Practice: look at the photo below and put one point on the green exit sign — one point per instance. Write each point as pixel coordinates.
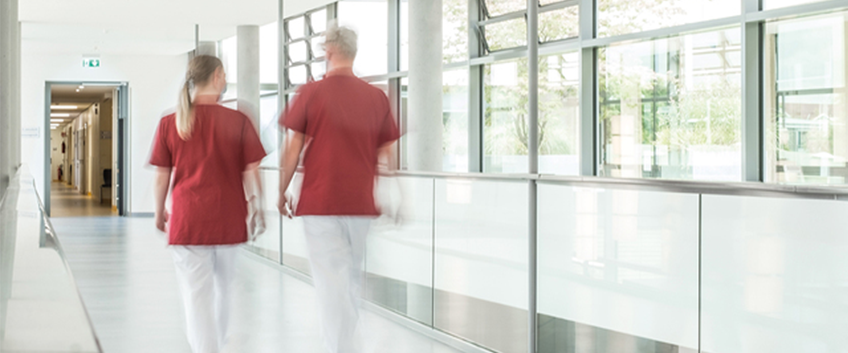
(91, 62)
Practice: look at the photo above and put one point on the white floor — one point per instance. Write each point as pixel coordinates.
(125, 275)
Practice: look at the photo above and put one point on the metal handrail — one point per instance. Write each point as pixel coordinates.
(676, 186)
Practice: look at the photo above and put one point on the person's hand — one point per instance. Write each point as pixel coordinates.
(284, 205)
(162, 220)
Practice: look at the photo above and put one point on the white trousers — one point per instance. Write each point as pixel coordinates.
(205, 275)
(336, 249)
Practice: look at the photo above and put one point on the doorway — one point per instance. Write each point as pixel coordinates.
(85, 162)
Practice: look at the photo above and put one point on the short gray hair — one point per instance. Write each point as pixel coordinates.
(342, 38)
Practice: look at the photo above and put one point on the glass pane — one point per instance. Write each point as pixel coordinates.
(268, 244)
(501, 7)
(636, 251)
(299, 51)
(370, 20)
(229, 57)
(399, 259)
(454, 32)
(773, 4)
(559, 24)
(298, 75)
(295, 252)
(318, 70)
(268, 65)
(505, 117)
(805, 104)
(319, 21)
(295, 27)
(269, 129)
(481, 262)
(559, 114)
(773, 260)
(404, 35)
(628, 16)
(506, 34)
(454, 120)
(671, 108)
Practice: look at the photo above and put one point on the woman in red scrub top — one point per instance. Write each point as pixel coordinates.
(210, 155)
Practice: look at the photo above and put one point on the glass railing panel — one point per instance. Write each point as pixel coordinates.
(399, 255)
(481, 291)
(268, 244)
(775, 275)
(618, 270)
(295, 252)
(40, 307)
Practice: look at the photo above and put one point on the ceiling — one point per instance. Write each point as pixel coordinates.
(132, 27)
(68, 95)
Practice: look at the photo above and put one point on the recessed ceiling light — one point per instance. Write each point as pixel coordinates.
(57, 120)
(63, 107)
(60, 115)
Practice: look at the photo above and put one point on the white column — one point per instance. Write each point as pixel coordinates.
(248, 71)
(10, 147)
(425, 86)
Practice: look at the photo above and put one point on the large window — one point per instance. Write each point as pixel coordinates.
(806, 104)
(628, 16)
(671, 108)
(304, 55)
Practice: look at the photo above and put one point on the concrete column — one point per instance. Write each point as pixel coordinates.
(425, 86)
(10, 131)
(248, 71)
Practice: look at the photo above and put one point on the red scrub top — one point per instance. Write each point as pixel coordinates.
(209, 205)
(346, 121)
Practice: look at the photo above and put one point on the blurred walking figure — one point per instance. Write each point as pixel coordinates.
(213, 153)
(347, 126)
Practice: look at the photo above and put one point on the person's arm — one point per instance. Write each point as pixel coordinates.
(289, 160)
(253, 183)
(161, 185)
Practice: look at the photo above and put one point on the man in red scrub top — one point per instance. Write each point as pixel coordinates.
(347, 126)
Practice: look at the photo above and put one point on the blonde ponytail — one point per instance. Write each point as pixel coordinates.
(185, 116)
(200, 71)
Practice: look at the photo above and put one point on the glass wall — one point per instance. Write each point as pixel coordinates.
(657, 89)
(671, 108)
(806, 106)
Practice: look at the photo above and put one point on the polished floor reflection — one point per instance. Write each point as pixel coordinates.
(126, 277)
(65, 201)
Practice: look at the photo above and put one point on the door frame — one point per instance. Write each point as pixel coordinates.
(122, 182)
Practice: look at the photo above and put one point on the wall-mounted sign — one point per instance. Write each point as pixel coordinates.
(31, 132)
(91, 62)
